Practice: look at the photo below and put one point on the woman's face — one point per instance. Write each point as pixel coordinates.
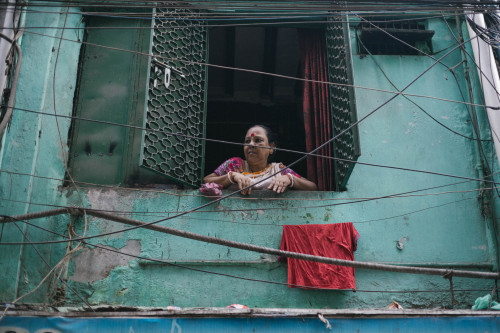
(257, 137)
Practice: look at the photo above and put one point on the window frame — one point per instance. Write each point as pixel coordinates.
(134, 173)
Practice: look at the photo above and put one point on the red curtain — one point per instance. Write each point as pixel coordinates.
(316, 107)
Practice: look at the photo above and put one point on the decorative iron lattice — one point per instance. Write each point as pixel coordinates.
(341, 100)
(178, 106)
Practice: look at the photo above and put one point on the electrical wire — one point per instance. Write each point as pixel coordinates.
(169, 263)
(48, 265)
(245, 198)
(472, 112)
(153, 213)
(140, 189)
(249, 24)
(62, 145)
(424, 53)
(244, 17)
(361, 200)
(178, 215)
(490, 36)
(356, 200)
(313, 151)
(61, 38)
(278, 149)
(69, 252)
(348, 128)
(360, 18)
(471, 115)
(207, 64)
(12, 96)
(270, 5)
(149, 224)
(460, 45)
(494, 24)
(351, 221)
(258, 72)
(483, 76)
(413, 102)
(272, 251)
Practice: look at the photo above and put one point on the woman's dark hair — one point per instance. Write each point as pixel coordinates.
(272, 137)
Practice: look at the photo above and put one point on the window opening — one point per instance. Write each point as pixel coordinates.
(237, 100)
(377, 42)
(129, 89)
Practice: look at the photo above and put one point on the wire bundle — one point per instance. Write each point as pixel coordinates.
(490, 35)
(242, 10)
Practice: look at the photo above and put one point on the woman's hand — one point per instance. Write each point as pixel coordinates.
(280, 183)
(242, 181)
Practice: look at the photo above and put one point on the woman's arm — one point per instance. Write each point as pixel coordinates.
(281, 182)
(214, 178)
(302, 184)
(236, 178)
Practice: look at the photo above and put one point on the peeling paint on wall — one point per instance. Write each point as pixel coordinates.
(96, 264)
(108, 201)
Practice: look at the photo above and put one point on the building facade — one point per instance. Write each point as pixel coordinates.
(419, 188)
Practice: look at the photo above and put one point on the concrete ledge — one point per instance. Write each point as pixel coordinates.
(128, 312)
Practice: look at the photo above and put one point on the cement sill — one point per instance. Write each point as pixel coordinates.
(115, 312)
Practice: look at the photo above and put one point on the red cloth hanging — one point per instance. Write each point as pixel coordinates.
(327, 240)
(316, 107)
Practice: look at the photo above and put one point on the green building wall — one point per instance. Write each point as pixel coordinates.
(449, 225)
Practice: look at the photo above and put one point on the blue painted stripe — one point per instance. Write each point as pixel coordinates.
(285, 325)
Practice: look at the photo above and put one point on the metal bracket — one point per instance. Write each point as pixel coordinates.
(167, 73)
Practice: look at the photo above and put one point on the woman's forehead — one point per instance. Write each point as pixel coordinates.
(257, 130)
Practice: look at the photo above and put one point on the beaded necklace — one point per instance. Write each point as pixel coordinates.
(257, 173)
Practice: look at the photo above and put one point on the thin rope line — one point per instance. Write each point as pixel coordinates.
(169, 263)
(263, 199)
(257, 208)
(279, 149)
(48, 265)
(267, 250)
(153, 214)
(303, 157)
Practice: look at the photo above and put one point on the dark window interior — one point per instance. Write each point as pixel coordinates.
(236, 99)
(373, 39)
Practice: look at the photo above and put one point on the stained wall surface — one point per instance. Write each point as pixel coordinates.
(437, 221)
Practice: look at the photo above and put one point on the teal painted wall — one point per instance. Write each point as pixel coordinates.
(436, 228)
(32, 146)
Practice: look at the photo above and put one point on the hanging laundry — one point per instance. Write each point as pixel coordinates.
(327, 240)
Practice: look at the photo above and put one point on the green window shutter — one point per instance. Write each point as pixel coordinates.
(182, 45)
(108, 80)
(342, 100)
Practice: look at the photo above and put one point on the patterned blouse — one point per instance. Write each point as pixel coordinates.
(236, 164)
